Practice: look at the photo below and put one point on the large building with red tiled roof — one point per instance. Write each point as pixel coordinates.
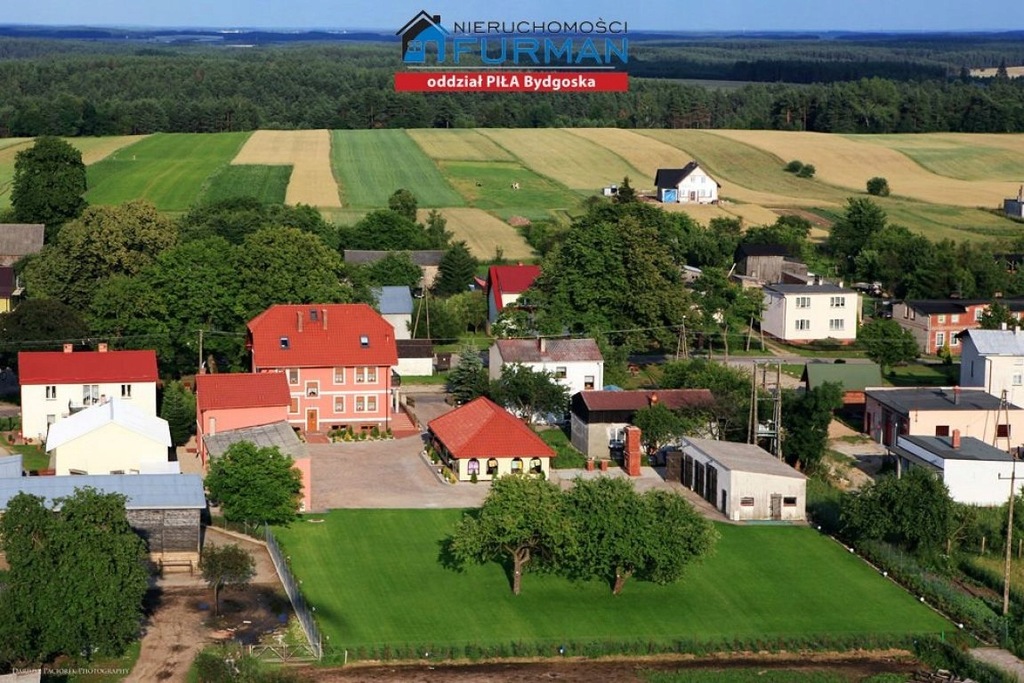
(481, 438)
(337, 360)
(505, 284)
(55, 384)
(236, 401)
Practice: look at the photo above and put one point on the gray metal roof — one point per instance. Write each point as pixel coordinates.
(11, 466)
(934, 398)
(998, 342)
(741, 457)
(144, 491)
(393, 300)
(279, 434)
(809, 289)
(970, 448)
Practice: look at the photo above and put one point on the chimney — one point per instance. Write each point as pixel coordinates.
(631, 451)
(323, 316)
(956, 395)
(653, 399)
(298, 315)
(542, 344)
(101, 347)
(955, 440)
(68, 348)
(1003, 326)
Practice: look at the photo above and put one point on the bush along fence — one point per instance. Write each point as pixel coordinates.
(302, 610)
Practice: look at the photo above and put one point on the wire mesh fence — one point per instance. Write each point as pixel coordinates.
(302, 610)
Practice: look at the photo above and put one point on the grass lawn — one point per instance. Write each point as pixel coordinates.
(32, 457)
(372, 164)
(168, 169)
(920, 374)
(266, 183)
(375, 577)
(566, 455)
(488, 185)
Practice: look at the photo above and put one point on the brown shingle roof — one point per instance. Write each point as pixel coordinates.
(635, 400)
(555, 350)
(18, 240)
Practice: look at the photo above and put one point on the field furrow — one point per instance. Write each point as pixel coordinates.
(961, 156)
(308, 152)
(457, 144)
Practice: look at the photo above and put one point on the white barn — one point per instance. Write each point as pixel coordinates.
(744, 481)
(687, 185)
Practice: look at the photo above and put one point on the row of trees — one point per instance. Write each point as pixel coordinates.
(600, 529)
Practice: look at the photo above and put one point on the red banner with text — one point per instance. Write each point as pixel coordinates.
(511, 81)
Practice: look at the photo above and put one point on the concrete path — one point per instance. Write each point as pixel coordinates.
(1001, 659)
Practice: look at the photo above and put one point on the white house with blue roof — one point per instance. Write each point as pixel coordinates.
(994, 361)
(395, 305)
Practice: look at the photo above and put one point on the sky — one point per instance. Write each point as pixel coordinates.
(673, 15)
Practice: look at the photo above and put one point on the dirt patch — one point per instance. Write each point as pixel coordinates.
(809, 216)
(855, 665)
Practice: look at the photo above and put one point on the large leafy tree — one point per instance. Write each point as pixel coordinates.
(455, 271)
(996, 316)
(395, 269)
(403, 202)
(95, 564)
(254, 484)
(729, 386)
(854, 229)
(235, 218)
(621, 533)
(658, 424)
(105, 241)
(529, 393)
(806, 416)
(225, 565)
(39, 324)
(49, 182)
(388, 230)
(523, 521)
(887, 343)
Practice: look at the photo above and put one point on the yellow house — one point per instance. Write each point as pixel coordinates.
(113, 437)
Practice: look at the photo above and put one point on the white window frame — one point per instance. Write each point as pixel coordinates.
(940, 340)
(312, 389)
(978, 312)
(837, 325)
(126, 391)
(339, 375)
(366, 375)
(954, 340)
(803, 302)
(293, 376)
(942, 318)
(90, 394)
(837, 302)
(51, 392)
(339, 400)
(803, 324)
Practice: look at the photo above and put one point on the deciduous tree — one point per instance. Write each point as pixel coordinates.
(996, 316)
(225, 565)
(887, 343)
(529, 393)
(862, 219)
(254, 484)
(878, 187)
(49, 182)
(806, 416)
(39, 324)
(395, 269)
(388, 230)
(658, 424)
(403, 202)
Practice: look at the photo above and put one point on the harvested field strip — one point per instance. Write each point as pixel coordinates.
(484, 233)
(8, 151)
(13, 142)
(749, 174)
(849, 163)
(566, 158)
(457, 144)
(168, 169)
(488, 185)
(979, 157)
(308, 152)
(268, 184)
(97, 149)
(749, 214)
(640, 151)
(372, 164)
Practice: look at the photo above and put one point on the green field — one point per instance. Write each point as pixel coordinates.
(375, 577)
(266, 183)
(168, 169)
(488, 185)
(954, 156)
(372, 164)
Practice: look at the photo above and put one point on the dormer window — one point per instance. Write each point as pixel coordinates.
(285, 344)
(312, 315)
(364, 341)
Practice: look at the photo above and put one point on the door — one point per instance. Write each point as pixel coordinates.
(312, 420)
(776, 506)
(725, 502)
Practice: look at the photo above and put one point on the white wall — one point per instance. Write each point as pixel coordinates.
(979, 482)
(504, 467)
(110, 448)
(35, 407)
(415, 367)
(761, 487)
(703, 187)
(782, 313)
(400, 321)
(994, 374)
(576, 372)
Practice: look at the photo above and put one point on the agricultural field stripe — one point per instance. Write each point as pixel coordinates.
(308, 152)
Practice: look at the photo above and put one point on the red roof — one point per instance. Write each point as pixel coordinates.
(321, 336)
(255, 390)
(483, 429)
(57, 367)
(510, 280)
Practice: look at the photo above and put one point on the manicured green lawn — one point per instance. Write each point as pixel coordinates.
(168, 169)
(488, 185)
(32, 456)
(266, 183)
(919, 374)
(375, 577)
(372, 164)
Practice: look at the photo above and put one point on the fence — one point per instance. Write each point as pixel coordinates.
(291, 587)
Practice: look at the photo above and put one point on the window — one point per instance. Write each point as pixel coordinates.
(954, 340)
(90, 394)
(339, 404)
(293, 405)
(312, 389)
(366, 375)
(285, 344)
(364, 341)
(1002, 431)
(942, 318)
(803, 302)
(366, 404)
(126, 391)
(517, 465)
(836, 324)
(473, 467)
(51, 392)
(940, 339)
(293, 375)
(954, 318)
(747, 501)
(588, 382)
(560, 372)
(978, 312)
(803, 324)
(1016, 379)
(339, 375)
(942, 430)
(837, 302)
(789, 501)
(535, 466)
(492, 466)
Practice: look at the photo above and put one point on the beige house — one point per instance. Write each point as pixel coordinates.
(114, 437)
(930, 411)
(807, 313)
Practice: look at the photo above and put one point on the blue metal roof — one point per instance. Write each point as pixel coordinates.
(144, 491)
(10, 466)
(393, 300)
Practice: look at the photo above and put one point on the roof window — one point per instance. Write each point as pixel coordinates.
(364, 341)
(285, 344)
(312, 315)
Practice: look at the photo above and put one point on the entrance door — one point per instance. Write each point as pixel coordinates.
(725, 501)
(776, 506)
(312, 420)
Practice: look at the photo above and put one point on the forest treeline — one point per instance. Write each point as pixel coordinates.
(194, 90)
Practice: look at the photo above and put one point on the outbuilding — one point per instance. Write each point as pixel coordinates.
(972, 470)
(744, 481)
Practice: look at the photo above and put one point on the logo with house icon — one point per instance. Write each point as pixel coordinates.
(420, 32)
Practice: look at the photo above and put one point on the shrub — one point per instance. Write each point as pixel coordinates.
(807, 171)
(794, 166)
(878, 186)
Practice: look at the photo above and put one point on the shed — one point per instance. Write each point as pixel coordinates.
(853, 378)
(744, 481)
(164, 509)
(970, 468)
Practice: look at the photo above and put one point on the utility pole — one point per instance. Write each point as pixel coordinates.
(1009, 538)
(200, 370)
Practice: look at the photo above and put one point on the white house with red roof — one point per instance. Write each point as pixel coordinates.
(481, 438)
(337, 360)
(225, 402)
(56, 384)
(577, 364)
(505, 284)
